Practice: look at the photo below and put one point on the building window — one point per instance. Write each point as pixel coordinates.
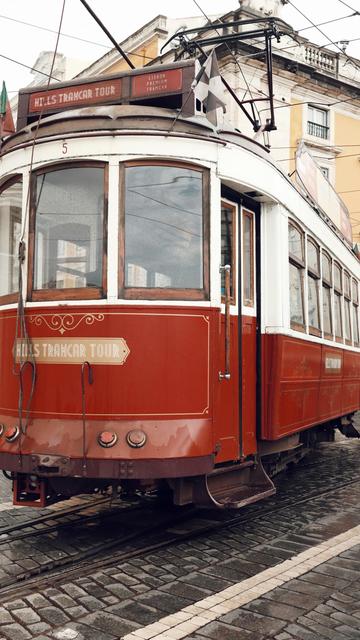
(248, 258)
(67, 233)
(228, 252)
(313, 267)
(326, 295)
(355, 311)
(10, 229)
(347, 308)
(337, 301)
(164, 232)
(318, 122)
(296, 277)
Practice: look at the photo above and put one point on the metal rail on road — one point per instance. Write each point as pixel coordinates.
(143, 540)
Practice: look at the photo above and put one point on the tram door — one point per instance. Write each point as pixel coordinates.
(236, 398)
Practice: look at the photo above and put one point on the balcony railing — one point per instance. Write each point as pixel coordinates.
(324, 60)
(318, 130)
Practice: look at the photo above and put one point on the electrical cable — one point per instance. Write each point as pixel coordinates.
(21, 64)
(346, 155)
(67, 35)
(348, 58)
(320, 24)
(356, 12)
(328, 146)
(314, 103)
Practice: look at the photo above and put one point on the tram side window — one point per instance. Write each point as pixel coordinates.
(228, 222)
(68, 223)
(296, 274)
(326, 295)
(10, 227)
(355, 311)
(347, 307)
(164, 247)
(337, 301)
(313, 267)
(248, 258)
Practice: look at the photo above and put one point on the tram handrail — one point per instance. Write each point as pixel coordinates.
(226, 374)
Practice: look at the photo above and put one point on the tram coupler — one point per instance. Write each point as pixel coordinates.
(31, 491)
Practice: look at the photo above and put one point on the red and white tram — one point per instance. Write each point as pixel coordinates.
(137, 359)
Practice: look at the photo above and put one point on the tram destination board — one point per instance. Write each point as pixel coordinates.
(140, 87)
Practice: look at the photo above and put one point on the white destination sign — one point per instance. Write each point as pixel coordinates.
(73, 350)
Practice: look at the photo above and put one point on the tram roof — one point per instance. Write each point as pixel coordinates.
(89, 121)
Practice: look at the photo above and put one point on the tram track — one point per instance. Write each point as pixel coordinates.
(31, 528)
(142, 539)
(53, 516)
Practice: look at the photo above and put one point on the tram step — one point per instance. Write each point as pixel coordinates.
(348, 429)
(233, 487)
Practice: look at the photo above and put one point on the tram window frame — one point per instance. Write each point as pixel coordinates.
(355, 311)
(326, 284)
(347, 307)
(299, 264)
(165, 293)
(338, 296)
(225, 204)
(10, 298)
(80, 293)
(248, 214)
(313, 274)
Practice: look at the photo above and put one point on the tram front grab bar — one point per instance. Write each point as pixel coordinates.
(226, 374)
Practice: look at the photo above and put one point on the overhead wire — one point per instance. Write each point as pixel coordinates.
(346, 155)
(68, 35)
(315, 103)
(328, 146)
(348, 58)
(63, 35)
(356, 11)
(22, 64)
(320, 24)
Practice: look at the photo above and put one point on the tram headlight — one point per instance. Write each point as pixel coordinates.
(107, 439)
(12, 433)
(2, 429)
(136, 438)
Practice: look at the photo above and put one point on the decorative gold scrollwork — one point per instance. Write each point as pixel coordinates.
(63, 322)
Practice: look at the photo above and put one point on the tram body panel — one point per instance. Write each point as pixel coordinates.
(306, 383)
(165, 386)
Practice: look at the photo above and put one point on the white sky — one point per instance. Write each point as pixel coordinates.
(24, 43)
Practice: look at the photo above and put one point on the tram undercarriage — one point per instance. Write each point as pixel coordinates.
(231, 486)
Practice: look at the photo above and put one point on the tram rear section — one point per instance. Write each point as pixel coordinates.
(166, 338)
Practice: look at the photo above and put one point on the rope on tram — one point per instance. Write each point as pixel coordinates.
(23, 354)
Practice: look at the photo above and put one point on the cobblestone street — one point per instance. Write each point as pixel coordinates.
(233, 581)
(5, 489)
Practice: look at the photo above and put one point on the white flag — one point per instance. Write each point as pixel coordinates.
(209, 89)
